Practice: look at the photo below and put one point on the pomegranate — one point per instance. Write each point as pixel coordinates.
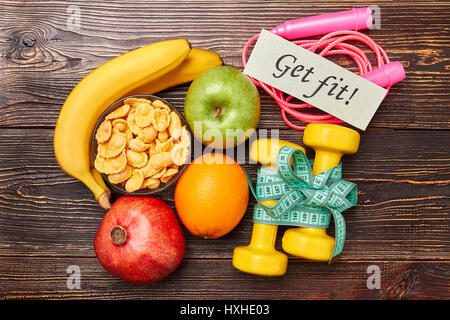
(140, 240)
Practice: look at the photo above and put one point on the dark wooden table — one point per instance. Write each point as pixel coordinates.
(48, 220)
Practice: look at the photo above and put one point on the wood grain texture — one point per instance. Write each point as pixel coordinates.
(217, 279)
(48, 220)
(402, 211)
(42, 59)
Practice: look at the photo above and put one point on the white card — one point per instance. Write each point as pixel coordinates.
(314, 79)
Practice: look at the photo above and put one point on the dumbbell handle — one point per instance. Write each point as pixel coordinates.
(264, 235)
(325, 160)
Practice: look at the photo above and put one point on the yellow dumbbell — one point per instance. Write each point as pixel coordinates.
(260, 256)
(330, 142)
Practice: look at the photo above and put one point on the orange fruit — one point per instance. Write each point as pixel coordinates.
(211, 196)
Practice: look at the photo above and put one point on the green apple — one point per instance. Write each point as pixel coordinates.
(222, 107)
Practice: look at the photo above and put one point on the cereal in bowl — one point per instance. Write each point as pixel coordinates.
(141, 144)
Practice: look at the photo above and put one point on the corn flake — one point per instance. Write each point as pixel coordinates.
(161, 119)
(119, 112)
(120, 124)
(137, 159)
(148, 134)
(131, 121)
(169, 174)
(148, 170)
(151, 183)
(160, 104)
(120, 177)
(185, 137)
(137, 144)
(161, 147)
(161, 160)
(113, 147)
(104, 132)
(175, 125)
(144, 115)
(128, 134)
(135, 181)
(159, 174)
(179, 154)
(163, 136)
(134, 102)
(111, 166)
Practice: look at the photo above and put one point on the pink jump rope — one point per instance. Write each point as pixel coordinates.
(338, 28)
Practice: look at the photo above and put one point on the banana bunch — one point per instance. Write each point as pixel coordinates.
(149, 69)
(197, 62)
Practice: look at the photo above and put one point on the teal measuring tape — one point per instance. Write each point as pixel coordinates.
(303, 200)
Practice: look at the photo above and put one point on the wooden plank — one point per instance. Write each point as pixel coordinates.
(48, 220)
(31, 278)
(42, 59)
(402, 213)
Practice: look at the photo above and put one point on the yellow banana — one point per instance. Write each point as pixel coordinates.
(197, 62)
(98, 90)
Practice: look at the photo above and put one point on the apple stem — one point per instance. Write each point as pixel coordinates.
(118, 235)
(219, 111)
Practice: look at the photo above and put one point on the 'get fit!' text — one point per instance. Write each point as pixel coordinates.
(287, 65)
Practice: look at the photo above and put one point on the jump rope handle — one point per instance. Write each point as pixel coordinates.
(355, 19)
(387, 75)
